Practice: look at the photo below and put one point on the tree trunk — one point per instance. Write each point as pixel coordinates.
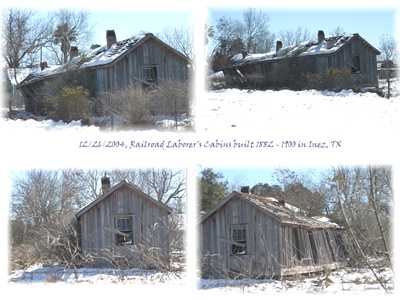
(373, 201)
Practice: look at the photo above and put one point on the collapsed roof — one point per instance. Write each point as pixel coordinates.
(326, 46)
(286, 213)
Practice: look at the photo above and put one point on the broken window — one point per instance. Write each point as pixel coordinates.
(239, 239)
(356, 67)
(150, 74)
(124, 228)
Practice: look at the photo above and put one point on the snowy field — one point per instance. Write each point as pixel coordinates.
(40, 274)
(235, 110)
(343, 281)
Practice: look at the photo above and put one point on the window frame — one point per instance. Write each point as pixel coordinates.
(154, 74)
(129, 231)
(233, 247)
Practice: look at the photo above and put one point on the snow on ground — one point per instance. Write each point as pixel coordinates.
(304, 111)
(57, 274)
(8, 124)
(28, 121)
(346, 280)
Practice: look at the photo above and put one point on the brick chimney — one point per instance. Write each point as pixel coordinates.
(245, 189)
(279, 46)
(43, 65)
(73, 52)
(111, 38)
(321, 36)
(105, 184)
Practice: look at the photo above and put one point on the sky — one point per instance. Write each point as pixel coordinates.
(252, 176)
(370, 24)
(127, 24)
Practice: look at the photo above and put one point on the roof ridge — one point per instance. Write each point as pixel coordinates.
(113, 189)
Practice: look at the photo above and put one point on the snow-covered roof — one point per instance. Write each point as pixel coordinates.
(17, 75)
(96, 57)
(327, 46)
(102, 55)
(286, 213)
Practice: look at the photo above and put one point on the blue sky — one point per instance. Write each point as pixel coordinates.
(127, 24)
(370, 24)
(252, 176)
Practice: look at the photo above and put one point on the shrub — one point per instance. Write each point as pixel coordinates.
(333, 79)
(170, 99)
(71, 103)
(136, 105)
(132, 105)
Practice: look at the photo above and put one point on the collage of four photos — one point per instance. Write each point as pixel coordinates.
(260, 228)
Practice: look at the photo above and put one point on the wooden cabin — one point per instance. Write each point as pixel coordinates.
(253, 236)
(143, 60)
(121, 224)
(335, 63)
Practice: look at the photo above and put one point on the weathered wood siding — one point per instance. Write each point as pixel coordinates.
(149, 222)
(129, 70)
(263, 247)
(327, 250)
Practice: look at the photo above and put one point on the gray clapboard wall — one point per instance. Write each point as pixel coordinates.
(128, 70)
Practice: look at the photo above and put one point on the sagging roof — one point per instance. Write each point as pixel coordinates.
(99, 57)
(118, 186)
(285, 213)
(327, 46)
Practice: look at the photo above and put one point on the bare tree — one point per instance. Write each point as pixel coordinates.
(43, 206)
(388, 48)
(256, 34)
(299, 191)
(294, 37)
(71, 28)
(180, 39)
(251, 34)
(375, 193)
(338, 31)
(23, 35)
(349, 184)
(165, 185)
